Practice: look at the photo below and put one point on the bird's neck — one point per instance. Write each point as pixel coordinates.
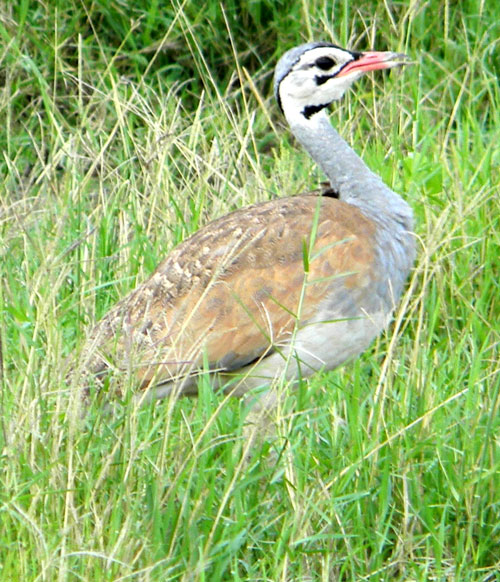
(349, 176)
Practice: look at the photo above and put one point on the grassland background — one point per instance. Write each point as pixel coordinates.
(125, 126)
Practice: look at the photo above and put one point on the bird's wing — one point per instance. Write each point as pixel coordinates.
(238, 288)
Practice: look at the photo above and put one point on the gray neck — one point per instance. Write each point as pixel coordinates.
(349, 176)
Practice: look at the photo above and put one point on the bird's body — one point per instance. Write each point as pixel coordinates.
(282, 288)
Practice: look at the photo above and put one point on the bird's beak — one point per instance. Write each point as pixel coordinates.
(373, 60)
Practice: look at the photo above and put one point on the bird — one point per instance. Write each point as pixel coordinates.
(278, 290)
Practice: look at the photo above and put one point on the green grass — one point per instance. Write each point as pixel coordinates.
(126, 127)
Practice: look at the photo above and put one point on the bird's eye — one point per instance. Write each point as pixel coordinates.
(325, 63)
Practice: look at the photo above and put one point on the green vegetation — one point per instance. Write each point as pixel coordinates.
(128, 125)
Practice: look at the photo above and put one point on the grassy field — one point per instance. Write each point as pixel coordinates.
(128, 125)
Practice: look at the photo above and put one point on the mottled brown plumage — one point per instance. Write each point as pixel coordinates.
(230, 293)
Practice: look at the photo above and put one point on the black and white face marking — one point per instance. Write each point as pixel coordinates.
(310, 77)
(308, 84)
(327, 64)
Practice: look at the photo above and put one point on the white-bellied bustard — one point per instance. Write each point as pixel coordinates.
(278, 289)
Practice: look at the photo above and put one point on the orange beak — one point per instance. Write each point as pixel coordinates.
(372, 61)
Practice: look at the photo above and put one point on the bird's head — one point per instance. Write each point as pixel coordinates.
(309, 77)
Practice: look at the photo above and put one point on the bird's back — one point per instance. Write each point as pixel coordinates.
(247, 286)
